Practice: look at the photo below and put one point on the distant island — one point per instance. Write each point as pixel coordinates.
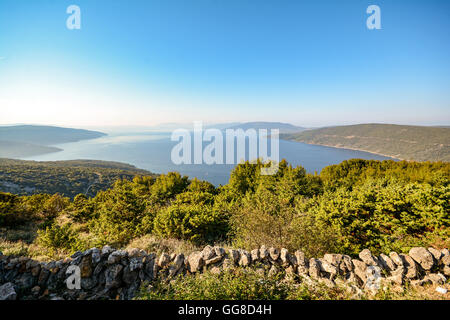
(418, 143)
(31, 140)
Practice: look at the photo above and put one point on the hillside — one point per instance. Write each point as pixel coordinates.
(67, 178)
(15, 149)
(30, 140)
(283, 127)
(402, 142)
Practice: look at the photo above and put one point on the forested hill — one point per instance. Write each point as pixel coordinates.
(28, 140)
(67, 178)
(417, 143)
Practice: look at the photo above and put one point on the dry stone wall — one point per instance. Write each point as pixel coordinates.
(118, 274)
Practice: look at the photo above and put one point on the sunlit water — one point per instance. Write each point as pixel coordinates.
(152, 151)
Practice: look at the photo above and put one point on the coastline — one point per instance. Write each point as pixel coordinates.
(350, 148)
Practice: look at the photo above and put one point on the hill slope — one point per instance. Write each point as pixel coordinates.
(397, 141)
(30, 140)
(67, 178)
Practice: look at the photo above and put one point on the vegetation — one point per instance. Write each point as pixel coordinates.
(67, 178)
(357, 204)
(402, 142)
(248, 284)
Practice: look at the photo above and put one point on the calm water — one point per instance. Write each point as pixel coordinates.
(151, 151)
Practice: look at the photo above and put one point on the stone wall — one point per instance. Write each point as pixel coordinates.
(118, 274)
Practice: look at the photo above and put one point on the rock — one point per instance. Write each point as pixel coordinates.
(106, 251)
(113, 276)
(446, 271)
(314, 269)
(373, 280)
(397, 276)
(396, 259)
(195, 261)
(437, 254)
(255, 254)
(219, 251)
(96, 256)
(325, 266)
(274, 253)
(285, 256)
(213, 260)
(436, 278)
(263, 253)
(7, 292)
(86, 266)
(441, 290)
(360, 269)
(300, 256)
(246, 258)
(164, 260)
(346, 264)
(208, 253)
(423, 257)
(445, 260)
(234, 255)
(116, 256)
(386, 262)
(367, 257)
(333, 259)
(136, 263)
(178, 263)
(410, 265)
(445, 252)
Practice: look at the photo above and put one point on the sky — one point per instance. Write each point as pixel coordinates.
(141, 63)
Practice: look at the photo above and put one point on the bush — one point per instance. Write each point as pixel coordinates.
(57, 237)
(197, 223)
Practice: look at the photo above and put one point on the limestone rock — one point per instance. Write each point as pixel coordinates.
(360, 269)
(195, 261)
(437, 254)
(208, 253)
(234, 255)
(263, 253)
(396, 258)
(386, 262)
(255, 254)
(423, 257)
(245, 259)
(274, 253)
(435, 278)
(367, 257)
(163, 260)
(410, 265)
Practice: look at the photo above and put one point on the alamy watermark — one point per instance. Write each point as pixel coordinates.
(226, 146)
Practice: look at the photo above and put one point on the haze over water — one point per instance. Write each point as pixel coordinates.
(151, 151)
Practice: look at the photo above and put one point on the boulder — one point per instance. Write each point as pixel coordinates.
(195, 261)
(208, 253)
(435, 278)
(274, 253)
(396, 259)
(367, 257)
(422, 256)
(234, 255)
(255, 254)
(177, 264)
(163, 260)
(246, 258)
(437, 254)
(410, 266)
(386, 262)
(314, 268)
(359, 268)
(7, 292)
(263, 253)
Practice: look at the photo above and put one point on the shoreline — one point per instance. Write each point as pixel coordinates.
(350, 148)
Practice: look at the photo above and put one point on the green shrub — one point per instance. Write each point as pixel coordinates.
(57, 237)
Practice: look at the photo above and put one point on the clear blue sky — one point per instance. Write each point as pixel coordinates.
(309, 63)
